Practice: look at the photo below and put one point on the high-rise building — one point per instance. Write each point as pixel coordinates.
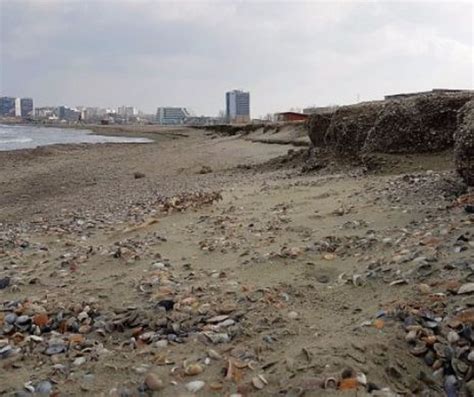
(171, 115)
(237, 106)
(26, 107)
(68, 114)
(7, 106)
(127, 111)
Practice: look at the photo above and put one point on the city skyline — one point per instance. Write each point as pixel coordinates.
(308, 54)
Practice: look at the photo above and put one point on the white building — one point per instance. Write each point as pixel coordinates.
(237, 106)
(127, 111)
(17, 107)
(171, 115)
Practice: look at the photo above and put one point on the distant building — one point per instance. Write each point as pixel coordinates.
(26, 107)
(94, 114)
(127, 111)
(7, 106)
(237, 106)
(171, 115)
(68, 114)
(46, 112)
(291, 116)
(17, 107)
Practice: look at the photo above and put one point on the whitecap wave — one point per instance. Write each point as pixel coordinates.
(16, 140)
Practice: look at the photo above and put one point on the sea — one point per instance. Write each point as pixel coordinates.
(15, 137)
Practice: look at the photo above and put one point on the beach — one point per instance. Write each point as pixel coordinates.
(214, 264)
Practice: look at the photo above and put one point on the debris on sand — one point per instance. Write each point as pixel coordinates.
(423, 123)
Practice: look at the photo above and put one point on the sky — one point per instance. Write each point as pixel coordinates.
(146, 54)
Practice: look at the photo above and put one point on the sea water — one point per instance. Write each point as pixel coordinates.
(14, 137)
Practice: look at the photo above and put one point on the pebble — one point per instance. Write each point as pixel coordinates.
(195, 386)
(153, 382)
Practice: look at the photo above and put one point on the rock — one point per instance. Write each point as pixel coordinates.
(153, 382)
(195, 386)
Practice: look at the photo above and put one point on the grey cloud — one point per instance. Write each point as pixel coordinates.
(148, 53)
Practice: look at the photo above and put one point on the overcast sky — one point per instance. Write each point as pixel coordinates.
(287, 54)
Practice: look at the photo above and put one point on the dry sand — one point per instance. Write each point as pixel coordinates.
(299, 266)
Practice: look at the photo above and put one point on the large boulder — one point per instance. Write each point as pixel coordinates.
(350, 125)
(423, 123)
(464, 143)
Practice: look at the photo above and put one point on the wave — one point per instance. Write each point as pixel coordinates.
(16, 140)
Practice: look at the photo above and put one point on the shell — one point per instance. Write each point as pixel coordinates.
(194, 386)
(419, 349)
(193, 369)
(467, 288)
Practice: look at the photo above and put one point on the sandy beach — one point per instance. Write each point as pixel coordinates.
(205, 264)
